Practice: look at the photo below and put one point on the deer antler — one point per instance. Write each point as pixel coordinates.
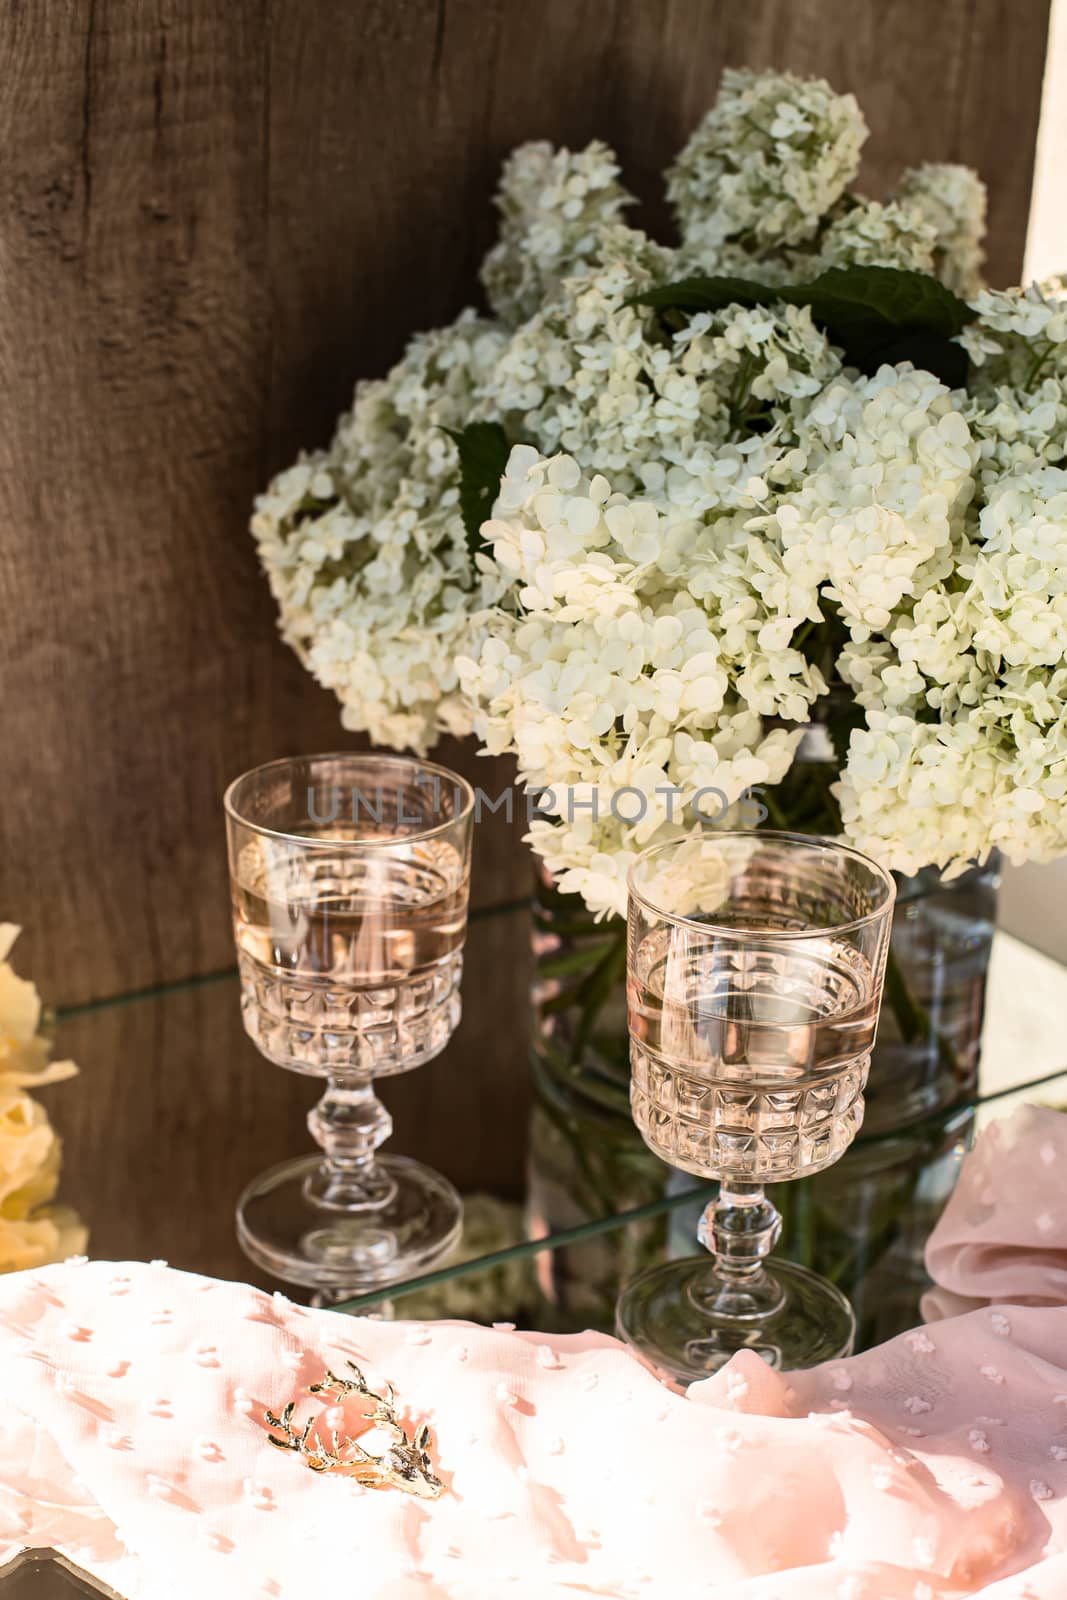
(405, 1465)
(331, 1383)
(384, 1413)
(292, 1439)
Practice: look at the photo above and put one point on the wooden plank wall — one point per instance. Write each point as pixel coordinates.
(213, 218)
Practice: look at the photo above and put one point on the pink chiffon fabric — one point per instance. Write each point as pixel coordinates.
(131, 1415)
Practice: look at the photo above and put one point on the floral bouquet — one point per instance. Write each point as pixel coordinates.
(668, 508)
(774, 517)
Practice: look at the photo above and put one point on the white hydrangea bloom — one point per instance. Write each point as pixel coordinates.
(769, 161)
(592, 376)
(919, 793)
(365, 548)
(575, 372)
(1019, 336)
(1018, 571)
(592, 858)
(553, 204)
(922, 662)
(619, 693)
(966, 698)
(736, 260)
(872, 235)
(915, 793)
(876, 517)
(857, 233)
(953, 201)
(1018, 428)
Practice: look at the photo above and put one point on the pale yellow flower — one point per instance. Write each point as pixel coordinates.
(26, 1141)
(32, 1232)
(20, 1005)
(52, 1235)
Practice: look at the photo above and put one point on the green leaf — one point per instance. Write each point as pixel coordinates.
(846, 717)
(873, 314)
(594, 991)
(483, 455)
(573, 961)
(701, 293)
(946, 360)
(875, 304)
(911, 1019)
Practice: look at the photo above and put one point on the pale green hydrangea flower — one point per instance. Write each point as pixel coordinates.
(952, 199)
(552, 204)
(869, 234)
(769, 161)
(366, 551)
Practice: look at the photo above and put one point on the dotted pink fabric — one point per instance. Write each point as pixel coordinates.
(132, 1436)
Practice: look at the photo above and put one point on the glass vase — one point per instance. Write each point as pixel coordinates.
(864, 1222)
(586, 1159)
(930, 1034)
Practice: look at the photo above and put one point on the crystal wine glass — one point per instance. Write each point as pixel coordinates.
(350, 879)
(754, 979)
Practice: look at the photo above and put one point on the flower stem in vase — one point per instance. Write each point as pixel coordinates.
(913, 1019)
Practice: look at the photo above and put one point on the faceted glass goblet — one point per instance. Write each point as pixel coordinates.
(350, 879)
(755, 966)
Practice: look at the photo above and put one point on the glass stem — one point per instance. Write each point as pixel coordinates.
(740, 1227)
(350, 1122)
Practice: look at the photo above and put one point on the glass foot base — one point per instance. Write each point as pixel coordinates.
(667, 1317)
(283, 1227)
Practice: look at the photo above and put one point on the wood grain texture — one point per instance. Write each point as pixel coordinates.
(137, 653)
(214, 218)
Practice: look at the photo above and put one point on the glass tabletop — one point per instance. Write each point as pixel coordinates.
(193, 1112)
(567, 1281)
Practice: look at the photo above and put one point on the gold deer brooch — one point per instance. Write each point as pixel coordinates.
(404, 1465)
